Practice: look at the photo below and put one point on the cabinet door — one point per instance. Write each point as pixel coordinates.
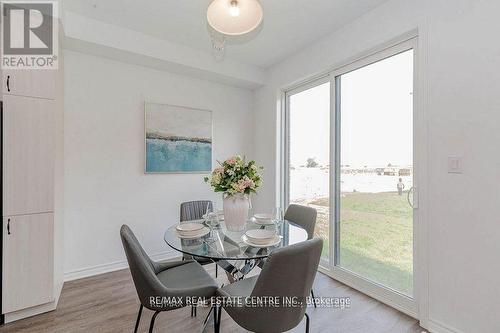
(29, 153)
(29, 82)
(28, 261)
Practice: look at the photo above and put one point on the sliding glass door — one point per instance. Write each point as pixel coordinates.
(375, 172)
(349, 153)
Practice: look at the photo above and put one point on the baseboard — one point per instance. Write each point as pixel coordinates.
(436, 326)
(112, 266)
(29, 312)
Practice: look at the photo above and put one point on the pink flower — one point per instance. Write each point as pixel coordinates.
(231, 161)
(244, 183)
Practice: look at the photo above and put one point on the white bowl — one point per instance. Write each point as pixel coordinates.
(272, 242)
(220, 215)
(192, 235)
(189, 227)
(260, 236)
(262, 222)
(264, 217)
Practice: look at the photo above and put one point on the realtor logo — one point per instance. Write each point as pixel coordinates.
(29, 35)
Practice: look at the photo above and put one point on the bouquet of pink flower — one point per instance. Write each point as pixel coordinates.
(234, 176)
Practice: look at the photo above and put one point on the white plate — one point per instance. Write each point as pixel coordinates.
(189, 227)
(260, 236)
(275, 241)
(204, 231)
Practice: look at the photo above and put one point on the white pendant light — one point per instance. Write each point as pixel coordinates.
(234, 17)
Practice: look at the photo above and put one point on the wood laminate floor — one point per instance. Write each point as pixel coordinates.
(108, 303)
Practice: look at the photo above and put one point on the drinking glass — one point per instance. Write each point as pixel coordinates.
(277, 218)
(212, 220)
(212, 216)
(278, 215)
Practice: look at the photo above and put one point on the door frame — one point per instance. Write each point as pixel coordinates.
(403, 303)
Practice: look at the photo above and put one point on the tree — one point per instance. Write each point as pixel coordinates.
(311, 163)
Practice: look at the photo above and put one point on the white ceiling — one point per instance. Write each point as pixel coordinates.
(289, 25)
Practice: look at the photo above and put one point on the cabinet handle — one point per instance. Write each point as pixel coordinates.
(8, 226)
(8, 83)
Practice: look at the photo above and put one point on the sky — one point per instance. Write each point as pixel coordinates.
(376, 117)
(171, 120)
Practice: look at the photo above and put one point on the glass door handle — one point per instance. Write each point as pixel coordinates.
(413, 203)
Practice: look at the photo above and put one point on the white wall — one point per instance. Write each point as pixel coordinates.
(105, 185)
(460, 82)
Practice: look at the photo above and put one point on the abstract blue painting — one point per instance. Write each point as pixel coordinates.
(178, 139)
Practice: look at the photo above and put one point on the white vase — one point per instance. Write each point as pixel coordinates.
(236, 211)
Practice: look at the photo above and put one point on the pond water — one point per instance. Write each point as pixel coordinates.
(312, 183)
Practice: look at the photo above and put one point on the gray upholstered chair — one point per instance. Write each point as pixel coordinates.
(163, 279)
(306, 218)
(194, 210)
(303, 216)
(299, 278)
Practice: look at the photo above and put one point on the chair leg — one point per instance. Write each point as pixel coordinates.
(218, 315)
(208, 314)
(307, 323)
(216, 269)
(313, 298)
(138, 319)
(153, 321)
(216, 321)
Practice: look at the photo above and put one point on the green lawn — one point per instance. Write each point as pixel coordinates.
(376, 237)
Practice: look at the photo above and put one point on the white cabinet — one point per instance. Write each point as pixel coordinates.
(28, 155)
(23, 82)
(28, 261)
(32, 191)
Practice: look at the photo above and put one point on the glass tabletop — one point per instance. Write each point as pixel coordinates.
(222, 244)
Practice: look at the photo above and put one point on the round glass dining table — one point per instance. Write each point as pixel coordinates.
(227, 248)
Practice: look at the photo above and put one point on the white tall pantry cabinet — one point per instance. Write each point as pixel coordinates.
(32, 198)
